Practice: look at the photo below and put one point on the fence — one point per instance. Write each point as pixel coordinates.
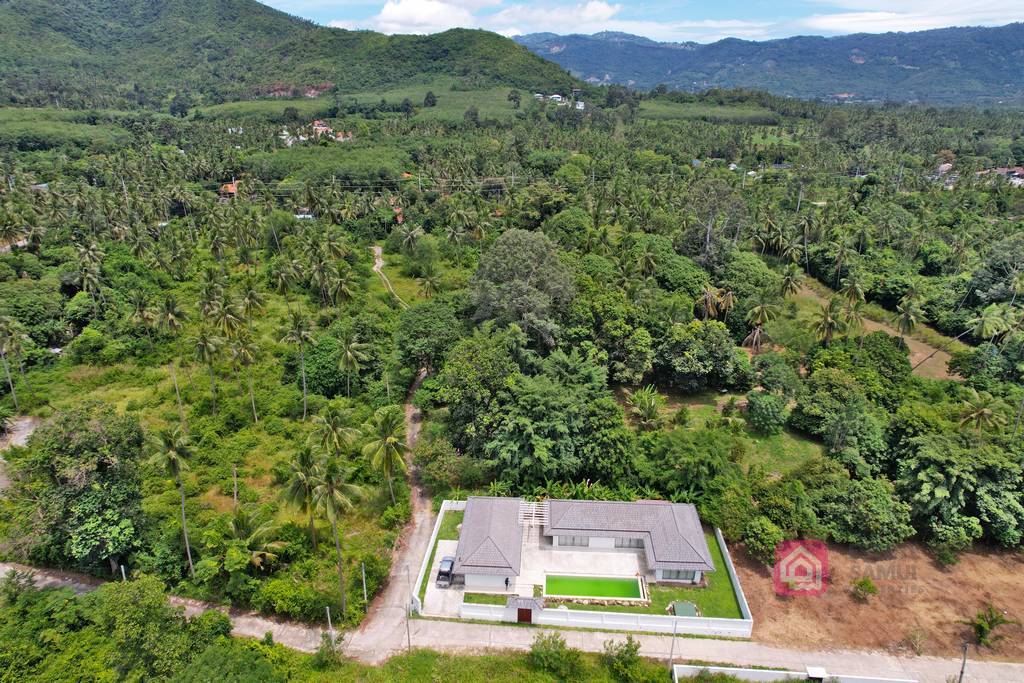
(769, 675)
(486, 612)
(656, 623)
(447, 505)
(736, 587)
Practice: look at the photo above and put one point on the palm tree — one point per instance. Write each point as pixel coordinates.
(252, 301)
(245, 351)
(332, 429)
(990, 323)
(259, 535)
(792, 278)
(172, 455)
(759, 316)
(353, 355)
(333, 495)
(386, 447)
(300, 333)
(726, 302)
(645, 406)
(851, 289)
(7, 336)
(907, 317)
(171, 318)
(983, 410)
(429, 282)
(828, 320)
(299, 490)
(207, 346)
(709, 298)
(855, 319)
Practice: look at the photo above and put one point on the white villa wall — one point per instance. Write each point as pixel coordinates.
(602, 543)
(654, 623)
(425, 564)
(659, 577)
(769, 676)
(487, 582)
(488, 612)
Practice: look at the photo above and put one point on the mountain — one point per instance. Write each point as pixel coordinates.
(947, 66)
(108, 52)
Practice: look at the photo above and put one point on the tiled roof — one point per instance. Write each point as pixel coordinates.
(672, 534)
(491, 539)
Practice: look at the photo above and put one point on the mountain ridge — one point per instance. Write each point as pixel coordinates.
(948, 66)
(112, 52)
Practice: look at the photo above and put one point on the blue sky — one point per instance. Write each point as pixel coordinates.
(699, 20)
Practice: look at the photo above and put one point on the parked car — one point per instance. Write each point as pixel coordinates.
(444, 574)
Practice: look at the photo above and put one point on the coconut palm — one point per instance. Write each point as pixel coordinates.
(172, 455)
(300, 333)
(171, 318)
(907, 317)
(353, 355)
(851, 289)
(759, 316)
(792, 278)
(828, 321)
(386, 447)
(333, 496)
(258, 534)
(252, 301)
(299, 489)
(332, 430)
(245, 351)
(206, 347)
(726, 302)
(429, 282)
(983, 410)
(709, 299)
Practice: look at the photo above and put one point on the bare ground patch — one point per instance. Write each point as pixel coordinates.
(915, 594)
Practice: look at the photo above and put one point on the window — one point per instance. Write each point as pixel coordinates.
(629, 543)
(678, 575)
(577, 541)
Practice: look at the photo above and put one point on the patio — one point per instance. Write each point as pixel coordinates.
(541, 558)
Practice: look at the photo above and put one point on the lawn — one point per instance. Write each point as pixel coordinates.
(661, 110)
(449, 531)
(717, 599)
(592, 587)
(485, 599)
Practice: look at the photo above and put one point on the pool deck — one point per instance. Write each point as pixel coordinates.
(541, 558)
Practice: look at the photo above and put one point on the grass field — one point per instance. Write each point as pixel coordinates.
(485, 599)
(717, 599)
(659, 110)
(592, 587)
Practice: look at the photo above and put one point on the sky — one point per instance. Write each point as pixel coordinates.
(682, 20)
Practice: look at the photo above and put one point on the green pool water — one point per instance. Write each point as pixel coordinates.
(592, 587)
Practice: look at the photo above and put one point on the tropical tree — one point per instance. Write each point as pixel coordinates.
(170, 318)
(245, 352)
(300, 333)
(353, 355)
(983, 410)
(332, 430)
(385, 446)
(760, 315)
(828, 321)
(172, 456)
(792, 278)
(907, 317)
(207, 346)
(333, 496)
(258, 534)
(709, 299)
(300, 489)
(645, 406)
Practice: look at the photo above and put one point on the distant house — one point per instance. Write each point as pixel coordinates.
(229, 190)
(944, 168)
(538, 96)
(580, 105)
(555, 98)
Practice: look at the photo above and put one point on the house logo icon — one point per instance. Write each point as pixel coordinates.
(801, 568)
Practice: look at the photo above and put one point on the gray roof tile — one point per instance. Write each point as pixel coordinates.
(491, 539)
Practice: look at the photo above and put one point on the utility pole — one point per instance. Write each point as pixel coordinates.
(963, 664)
(124, 578)
(408, 611)
(330, 627)
(672, 650)
(365, 598)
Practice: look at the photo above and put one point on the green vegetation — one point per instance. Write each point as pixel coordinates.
(592, 587)
(485, 599)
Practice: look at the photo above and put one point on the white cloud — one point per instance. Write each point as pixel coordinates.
(516, 17)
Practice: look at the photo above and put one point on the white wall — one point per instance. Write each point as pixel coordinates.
(602, 543)
(424, 568)
(654, 623)
(487, 582)
(658, 576)
(689, 670)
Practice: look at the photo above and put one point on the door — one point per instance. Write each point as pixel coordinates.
(525, 615)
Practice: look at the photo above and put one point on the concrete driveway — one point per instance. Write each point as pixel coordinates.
(441, 602)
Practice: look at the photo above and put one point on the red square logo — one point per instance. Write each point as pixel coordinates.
(801, 568)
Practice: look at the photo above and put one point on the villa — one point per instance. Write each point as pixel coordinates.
(510, 544)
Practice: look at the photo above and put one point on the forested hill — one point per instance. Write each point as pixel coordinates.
(118, 52)
(948, 66)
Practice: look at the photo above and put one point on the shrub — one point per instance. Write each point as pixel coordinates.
(863, 588)
(623, 659)
(765, 413)
(986, 622)
(761, 536)
(550, 653)
(396, 515)
(290, 597)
